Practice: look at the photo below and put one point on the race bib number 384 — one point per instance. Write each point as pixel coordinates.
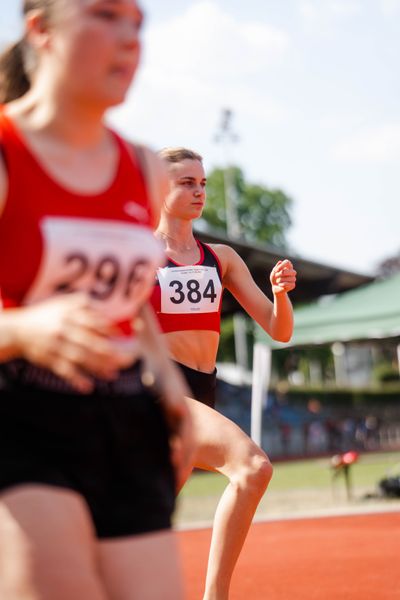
(189, 289)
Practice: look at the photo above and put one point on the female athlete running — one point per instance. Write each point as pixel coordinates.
(187, 299)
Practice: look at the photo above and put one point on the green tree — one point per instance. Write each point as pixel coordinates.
(390, 266)
(263, 216)
(263, 213)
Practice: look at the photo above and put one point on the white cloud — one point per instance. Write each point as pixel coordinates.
(211, 44)
(378, 145)
(201, 61)
(319, 13)
(390, 7)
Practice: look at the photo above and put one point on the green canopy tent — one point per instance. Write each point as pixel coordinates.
(369, 312)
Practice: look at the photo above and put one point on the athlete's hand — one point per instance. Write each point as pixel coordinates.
(69, 336)
(283, 277)
(160, 374)
(172, 389)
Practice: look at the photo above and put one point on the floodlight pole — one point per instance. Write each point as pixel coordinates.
(398, 356)
(261, 353)
(226, 137)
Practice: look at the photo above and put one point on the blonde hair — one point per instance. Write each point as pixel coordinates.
(178, 154)
(18, 61)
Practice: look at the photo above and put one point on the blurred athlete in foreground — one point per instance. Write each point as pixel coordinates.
(86, 482)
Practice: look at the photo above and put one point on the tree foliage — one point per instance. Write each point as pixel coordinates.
(263, 216)
(390, 266)
(263, 213)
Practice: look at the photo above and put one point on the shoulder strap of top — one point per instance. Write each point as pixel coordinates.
(137, 155)
(142, 163)
(3, 122)
(208, 251)
(141, 159)
(3, 125)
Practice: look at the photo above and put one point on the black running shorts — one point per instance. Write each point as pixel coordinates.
(203, 385)
(111, 449)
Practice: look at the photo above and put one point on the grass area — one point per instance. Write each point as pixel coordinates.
(302, 474)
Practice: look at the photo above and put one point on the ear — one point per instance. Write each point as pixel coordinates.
(37, 31)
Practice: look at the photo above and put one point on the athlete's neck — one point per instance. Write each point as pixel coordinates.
(176, 234)
(75, 123)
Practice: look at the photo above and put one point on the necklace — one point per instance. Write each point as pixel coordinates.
(181, 246)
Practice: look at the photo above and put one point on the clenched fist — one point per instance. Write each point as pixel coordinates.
(283, 277)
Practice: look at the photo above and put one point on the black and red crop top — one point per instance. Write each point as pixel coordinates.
(187, 297)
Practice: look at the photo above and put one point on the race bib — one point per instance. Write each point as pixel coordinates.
(113, 262)
(189, 289)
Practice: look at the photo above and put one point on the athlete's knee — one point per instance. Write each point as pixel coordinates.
(255, 473)
(260, 471)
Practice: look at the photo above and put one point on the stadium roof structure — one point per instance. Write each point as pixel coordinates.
(369, 312)
(314, 279)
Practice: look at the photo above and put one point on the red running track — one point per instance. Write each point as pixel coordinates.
(353, 557)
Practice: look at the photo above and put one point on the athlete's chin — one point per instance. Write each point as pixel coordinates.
(197, 210)
(115, 98)
(116, 92)
(106, 98)
(115, 101)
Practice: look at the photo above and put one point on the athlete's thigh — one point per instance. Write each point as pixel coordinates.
(142, 567)
(46, 538)
(221, 444)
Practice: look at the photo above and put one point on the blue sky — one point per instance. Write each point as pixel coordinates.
(315, 92)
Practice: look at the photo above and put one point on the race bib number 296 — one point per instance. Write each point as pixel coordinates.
(114, 262)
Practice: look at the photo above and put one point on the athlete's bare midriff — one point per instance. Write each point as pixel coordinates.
(195, 349)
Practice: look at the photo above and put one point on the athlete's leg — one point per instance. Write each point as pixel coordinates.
(47, 546)
(222, 446)
(143, 567)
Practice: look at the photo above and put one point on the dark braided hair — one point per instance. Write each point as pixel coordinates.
(18, 60)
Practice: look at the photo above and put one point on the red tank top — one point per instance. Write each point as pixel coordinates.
(53, 240)
(189, 297)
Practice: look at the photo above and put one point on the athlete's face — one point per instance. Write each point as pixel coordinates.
(187, 189)
(94, 48)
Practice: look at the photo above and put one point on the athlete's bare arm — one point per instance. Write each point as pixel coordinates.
(170, 386)
(275, 318)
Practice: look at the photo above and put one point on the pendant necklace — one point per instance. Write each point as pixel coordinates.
(168, 237)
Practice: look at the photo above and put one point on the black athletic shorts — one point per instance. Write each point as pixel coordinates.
(203, 385)
(111, 449)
